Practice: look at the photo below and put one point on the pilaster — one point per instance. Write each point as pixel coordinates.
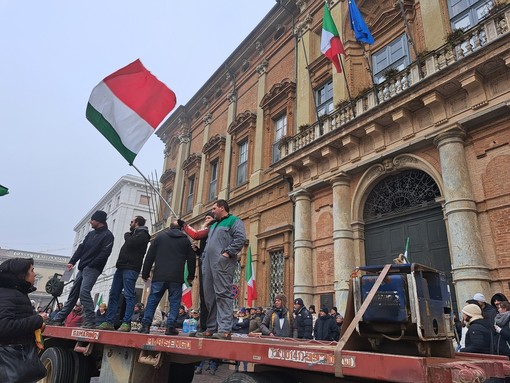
(197, 209)
(258, 147)
(225, 179)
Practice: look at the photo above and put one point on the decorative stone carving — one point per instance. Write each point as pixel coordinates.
(303, 26)
(192, 161)
(243, 121)
(208, 119)
(184, 137)
(205, 102)
(167, 176)
(262, 67)
(232, 97)
(213, 142)
(259, 47)
(301, 4)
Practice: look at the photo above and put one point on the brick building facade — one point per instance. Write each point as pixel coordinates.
(323, 184)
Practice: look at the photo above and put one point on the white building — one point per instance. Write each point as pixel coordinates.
(129, 197)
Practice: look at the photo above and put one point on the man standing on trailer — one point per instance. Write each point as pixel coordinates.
(225, 240)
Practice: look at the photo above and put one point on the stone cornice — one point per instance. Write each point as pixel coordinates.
(192, 161)
(278, 91)
(242, 122)
(214, 142)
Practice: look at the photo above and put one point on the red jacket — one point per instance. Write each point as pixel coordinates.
(73, 320)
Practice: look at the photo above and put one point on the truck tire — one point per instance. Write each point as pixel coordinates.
(247, 377)
(82, 368)
(181, 373)
(60, 365)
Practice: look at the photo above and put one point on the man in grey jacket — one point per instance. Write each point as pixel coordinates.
(225, 240)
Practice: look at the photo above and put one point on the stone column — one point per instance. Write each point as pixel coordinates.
(182, 154)
(197, 209)
(256, 176)
(225, 177)
(303, 263)
(343, 242)
(470, 272)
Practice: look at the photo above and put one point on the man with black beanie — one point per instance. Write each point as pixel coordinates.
(303, 320)
(93, 254)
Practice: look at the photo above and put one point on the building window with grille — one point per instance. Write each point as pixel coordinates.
(324, 99)
(276, 276)
(465, 14)
(395, 56)
(242, 166)
(189, 199)
(280, 130)
(214, 180)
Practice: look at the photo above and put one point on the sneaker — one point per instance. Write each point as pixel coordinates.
(106, 326)
(125, 327)
(88, 325)
(52, 322)
(198, 371)
(204, 334)
(144, 329)
(171, 331)
(222, 335)
(192, 334)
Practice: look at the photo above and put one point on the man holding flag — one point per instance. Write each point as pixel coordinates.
(171, 252)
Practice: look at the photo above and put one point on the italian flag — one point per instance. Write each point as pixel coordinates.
(99, 301)
(331, 45)
(3, 190)
(187, 300)
(127, 107)
(250, 279)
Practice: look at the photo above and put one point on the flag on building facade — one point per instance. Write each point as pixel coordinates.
(250, 279)
(358, 25)
(3, 190)
(331, 45)
(127, 107)
(99, 301)
(406, 250)
(187, 300)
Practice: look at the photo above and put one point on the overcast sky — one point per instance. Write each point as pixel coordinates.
(54, 162)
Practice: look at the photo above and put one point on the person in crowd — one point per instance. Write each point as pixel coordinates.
(260, 312)
(339, 319)
(137, 313)
(56, 311)
(457, 330)
(226, 238)
(39, 309)
(479, 330)
(488, 311)
(32, 302)
(303, 321)
(325, 327)
(128, 267)
(181, 316)
(75, 318)
(255, 321)
(278, 321)
(502, 328)
(497, 299)
(201, 237)
(101, 314)
(311, 308)
(241, 326)
(210, 365)
(168, 274)
(93, 254)
(18, 321)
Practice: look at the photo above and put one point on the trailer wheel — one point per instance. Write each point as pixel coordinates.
(82, 368)
(247, 377)
(60, 365)
(181, 373)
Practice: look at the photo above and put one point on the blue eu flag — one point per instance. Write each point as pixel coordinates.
(358, 25)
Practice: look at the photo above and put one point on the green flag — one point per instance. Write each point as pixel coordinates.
(3, 190)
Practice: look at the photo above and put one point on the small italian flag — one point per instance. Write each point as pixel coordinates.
(187, 300)
(99, 301)
(127, 107)
(250, 279)
(331, 45)
(3, 190)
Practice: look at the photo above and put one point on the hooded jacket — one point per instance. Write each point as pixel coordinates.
(94, 250)
(169, 252)
(17, 318)
(134, 248)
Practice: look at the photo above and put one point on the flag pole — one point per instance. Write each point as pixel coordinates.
(154, 188)
(410, 36)
(311, 87)
(374, 88)
(351, 103)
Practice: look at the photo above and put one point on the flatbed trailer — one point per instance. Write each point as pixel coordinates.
(73, 354)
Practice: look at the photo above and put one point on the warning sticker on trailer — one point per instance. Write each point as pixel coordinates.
(301, 356)
(169, 343)
(87, 334)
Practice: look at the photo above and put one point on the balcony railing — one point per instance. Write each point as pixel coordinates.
(487, 31)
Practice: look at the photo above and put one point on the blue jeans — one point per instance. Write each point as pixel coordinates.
(82, 286)
(158, 289)
(122, 279)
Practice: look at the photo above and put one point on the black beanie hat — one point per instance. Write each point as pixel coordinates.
(299, 301)
(99, 216)
(324, 309)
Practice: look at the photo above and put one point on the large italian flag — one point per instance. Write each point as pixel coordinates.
(127, 107)
(187, 299)
(250, 279)
(331, 45)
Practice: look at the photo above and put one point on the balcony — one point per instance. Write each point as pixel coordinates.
(422, 71)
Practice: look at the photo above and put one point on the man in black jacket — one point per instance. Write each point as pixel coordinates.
(303, 320)
(325, 326)
(92, 253)
(170, 251)
(128, 266)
